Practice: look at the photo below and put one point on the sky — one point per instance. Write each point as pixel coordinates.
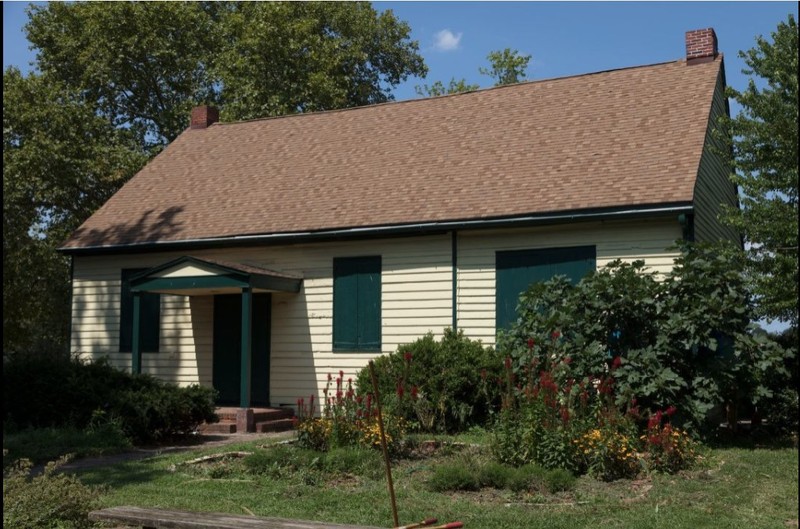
(563, 38)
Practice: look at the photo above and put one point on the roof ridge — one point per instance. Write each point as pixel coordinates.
(442, 96)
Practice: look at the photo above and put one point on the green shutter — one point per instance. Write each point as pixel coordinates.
(517, 270)
(150, 316)
(369, 304)
(357, 304)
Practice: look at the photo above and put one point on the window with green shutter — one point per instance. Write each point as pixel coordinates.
(150, 321)
(357, 304)
(517, 269)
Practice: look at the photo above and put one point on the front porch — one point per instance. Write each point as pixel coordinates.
(251, 420)
(241, 330)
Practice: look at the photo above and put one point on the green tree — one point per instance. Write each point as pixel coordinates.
(61, 161)
(148, 63)
(288, 57)
(439, 89)
(765, 156)
(145, 64)
(506, 66)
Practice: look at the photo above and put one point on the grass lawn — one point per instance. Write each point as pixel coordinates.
(732, 488)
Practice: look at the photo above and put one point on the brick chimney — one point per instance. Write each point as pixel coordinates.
(701, 46)
(203, 116)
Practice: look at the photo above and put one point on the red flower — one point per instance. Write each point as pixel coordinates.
(300, 402)
(555, 335)
(671, 411)
(408, 356)
(531, 343)
(564, 414)
(616, 362)
(567, 360)
(483, 375)
(414, 392)
(330, 377)
(359, 399)
(400, 390)
(341, 374)
(508, 362)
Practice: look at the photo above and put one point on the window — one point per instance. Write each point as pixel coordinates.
(357, 304)
(518, 269)
(150, 321)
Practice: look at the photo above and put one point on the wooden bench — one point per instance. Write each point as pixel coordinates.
(173, 519)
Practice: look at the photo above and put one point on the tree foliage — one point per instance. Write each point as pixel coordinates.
(439, 89)
(283, 58)
(61, 161)
(506, 66)
(148, 63)
(766, 160)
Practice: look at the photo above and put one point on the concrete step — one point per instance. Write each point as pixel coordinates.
(278, 425)
(272, 414)
(218, 427)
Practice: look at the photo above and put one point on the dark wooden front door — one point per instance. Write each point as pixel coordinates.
(228, 349)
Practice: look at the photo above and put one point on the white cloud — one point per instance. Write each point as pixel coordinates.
(446, 40)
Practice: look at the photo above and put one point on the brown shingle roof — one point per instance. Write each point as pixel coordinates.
(626, 137)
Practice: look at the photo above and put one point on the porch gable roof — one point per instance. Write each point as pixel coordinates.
(189, 275)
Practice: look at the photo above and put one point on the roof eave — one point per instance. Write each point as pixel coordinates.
(407, 229)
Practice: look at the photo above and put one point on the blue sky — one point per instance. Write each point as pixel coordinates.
(563, 38)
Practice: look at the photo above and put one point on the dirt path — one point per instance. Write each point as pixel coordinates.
(204, 441)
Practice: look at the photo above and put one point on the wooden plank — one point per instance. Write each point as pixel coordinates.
(174, 519)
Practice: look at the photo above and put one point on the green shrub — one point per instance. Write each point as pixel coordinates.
(53, 391)
(443, 386)
(454, 476)
(51, 499)
(348, 420)
(496, 475)
(559, 480)
(685, 341)
(527, 477)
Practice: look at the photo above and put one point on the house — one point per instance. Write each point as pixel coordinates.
(259, 256)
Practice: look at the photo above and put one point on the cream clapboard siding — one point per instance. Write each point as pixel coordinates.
(713, 186)
(627, 241)
(416, 297)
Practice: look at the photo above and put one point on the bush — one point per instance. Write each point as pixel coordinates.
(53, 391)
(496, 475)
(347, 420)
(443, 386)
(667, 449)
(454, 476)
(685, 341)
(559, 480)
(51, 499)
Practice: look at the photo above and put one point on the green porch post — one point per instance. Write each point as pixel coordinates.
(247, 320)
(136, 343)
